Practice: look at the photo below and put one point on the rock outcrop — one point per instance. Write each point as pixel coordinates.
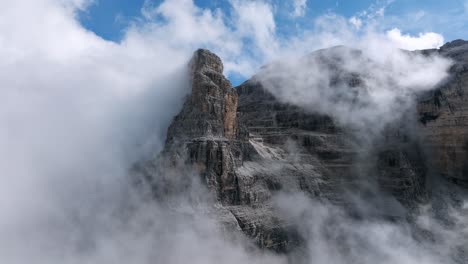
(212, 108)
(204, 134)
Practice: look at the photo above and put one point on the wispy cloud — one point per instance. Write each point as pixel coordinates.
(299, 8)
(356, 22)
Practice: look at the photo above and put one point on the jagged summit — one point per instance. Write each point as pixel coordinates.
(204, 59)
(211, 108)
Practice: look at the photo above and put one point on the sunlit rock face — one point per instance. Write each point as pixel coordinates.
(211, 109)
(246, 145)
(444, 114)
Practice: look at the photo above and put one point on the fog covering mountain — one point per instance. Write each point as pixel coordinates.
(128, 153)
(348, 154)
(341, 156)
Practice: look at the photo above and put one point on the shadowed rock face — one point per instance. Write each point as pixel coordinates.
(444, 114)
(247, 146)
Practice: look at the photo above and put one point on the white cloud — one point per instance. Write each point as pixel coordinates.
(429, 40)
(380, 12)
(255, 20)
(186, 23)
(76, 110)
(356, 22)
(389, 78)
(299, 8)
(77, 4)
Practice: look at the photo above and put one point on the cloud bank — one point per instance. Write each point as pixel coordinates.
(365, 88)
(423, 41)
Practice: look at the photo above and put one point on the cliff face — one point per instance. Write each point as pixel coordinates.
(444, 114)
(247, 146)
(325, 156)
(211, 109)
(204, 134)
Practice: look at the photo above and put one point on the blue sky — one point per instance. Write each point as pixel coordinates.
(109, 18)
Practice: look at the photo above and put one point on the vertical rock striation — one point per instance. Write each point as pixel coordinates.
(210, 111)
(204, 133)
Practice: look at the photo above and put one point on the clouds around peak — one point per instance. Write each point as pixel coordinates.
(428, 40)
(78, 110)
(247, 34)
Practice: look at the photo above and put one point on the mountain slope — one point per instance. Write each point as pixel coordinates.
(248, 146)
(444, 113)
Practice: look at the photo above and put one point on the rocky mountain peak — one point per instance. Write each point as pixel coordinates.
(211, 109)
(204, 59)
(284, 148)
(213, 99)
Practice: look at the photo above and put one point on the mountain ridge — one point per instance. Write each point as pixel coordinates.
(247, 146)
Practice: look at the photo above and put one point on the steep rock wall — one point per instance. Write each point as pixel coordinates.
(444, 115)
(247, 146)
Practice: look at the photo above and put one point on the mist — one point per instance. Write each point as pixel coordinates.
(366, 86)
(77, 111)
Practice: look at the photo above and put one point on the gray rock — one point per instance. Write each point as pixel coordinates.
(247, 146)
(444, 115)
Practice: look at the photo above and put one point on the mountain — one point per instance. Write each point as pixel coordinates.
(247, 145)
(444, 114)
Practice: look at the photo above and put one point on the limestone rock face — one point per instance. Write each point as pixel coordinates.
(204, 133)
(444, 115)
(247, 146)
(302, 151)
(211, 109)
